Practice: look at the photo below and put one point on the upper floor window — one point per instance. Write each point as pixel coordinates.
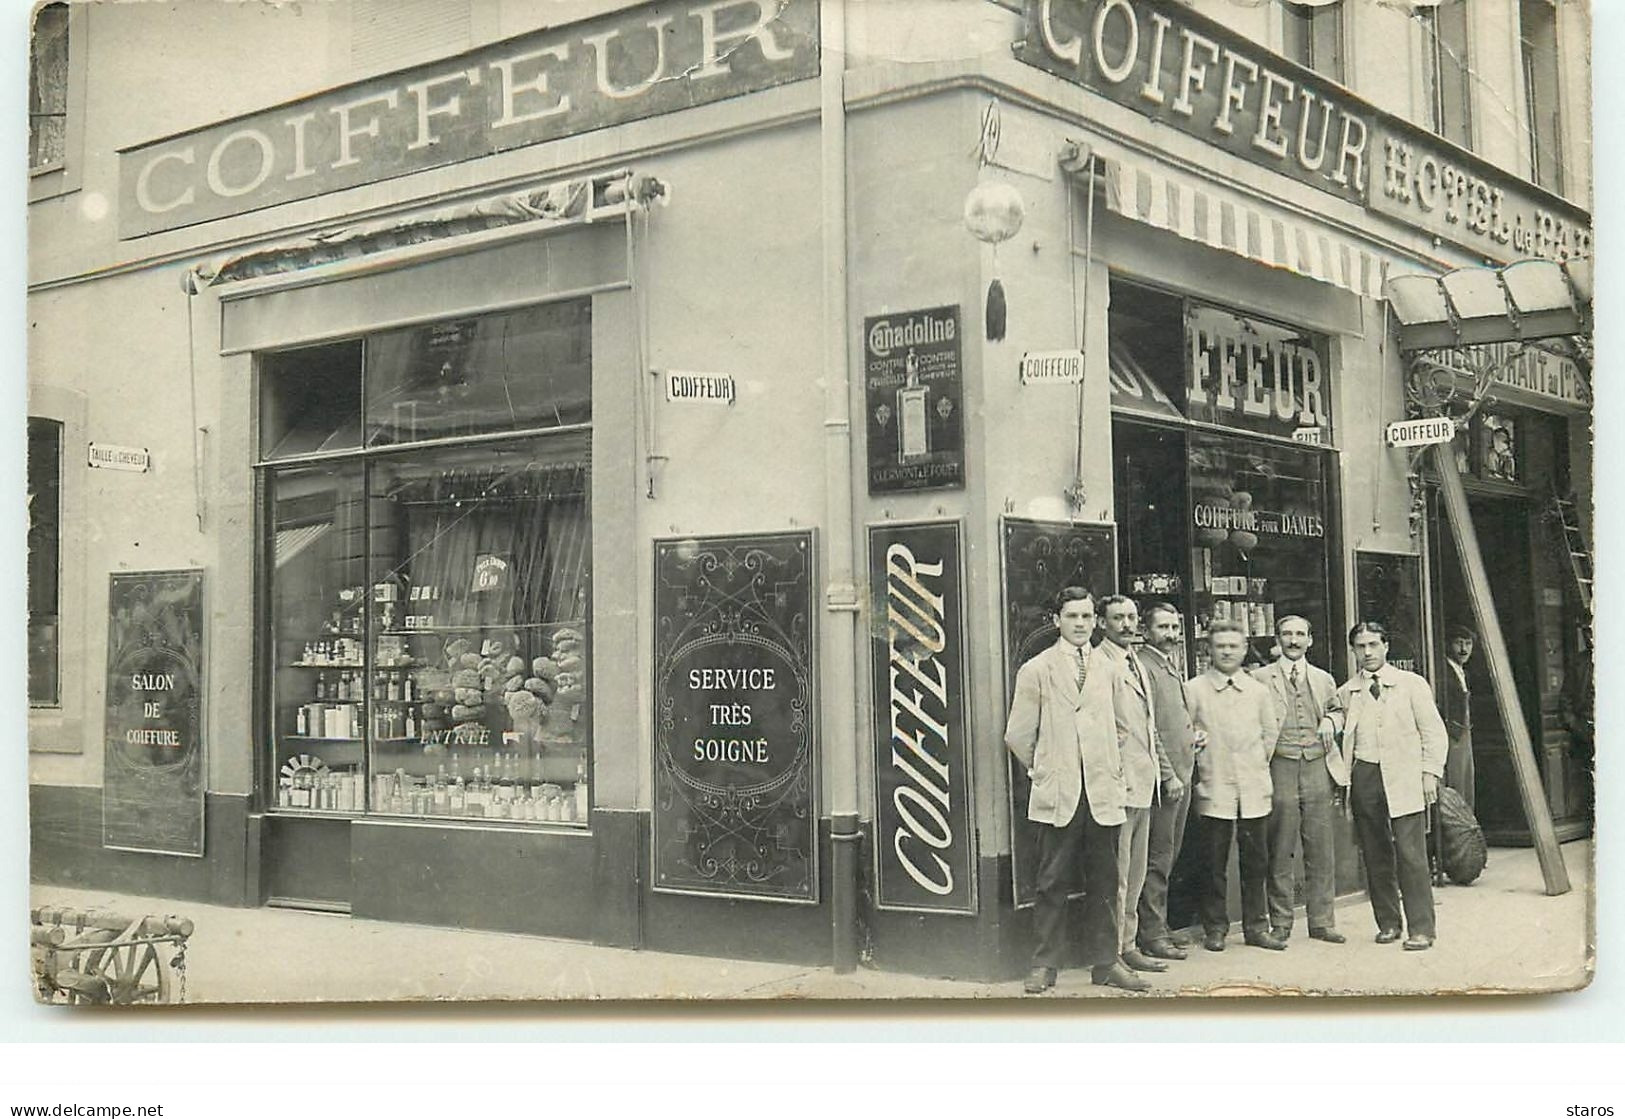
(1538, 40)
(1446, 72)
(48, 89)
(1312, 36)
(44, 560)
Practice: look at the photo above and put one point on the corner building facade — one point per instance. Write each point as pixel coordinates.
(622, 463)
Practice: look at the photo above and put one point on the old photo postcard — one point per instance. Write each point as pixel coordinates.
(849, 499)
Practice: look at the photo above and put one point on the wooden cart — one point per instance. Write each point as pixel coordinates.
(96, 958)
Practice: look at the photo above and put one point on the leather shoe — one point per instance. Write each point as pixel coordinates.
(1181, 940)
(1118, 975)
(1213, 942)
(1139, 961)
(1418, 943)
(1387, 936)
(1163, 950)
(1281, 932)
(1039, 980)
(1266, 940)
(1330, 936)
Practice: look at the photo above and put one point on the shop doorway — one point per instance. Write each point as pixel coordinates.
(1503, 528)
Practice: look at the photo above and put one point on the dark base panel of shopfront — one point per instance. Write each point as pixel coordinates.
(989, 946)
(65, 832)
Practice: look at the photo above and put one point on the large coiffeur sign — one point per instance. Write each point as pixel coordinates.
(735, 775)
(1183, 70)
(652, 59)
(924, 846)
(152, 766)
(1252, 374)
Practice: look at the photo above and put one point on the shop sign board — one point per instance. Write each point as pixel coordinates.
(924, 846)
(1420, 433)
(913, 376)
(1058, 367)
(1532, 370)
(107, 456)
(152, 768)
(561, 81)
(700, 388)
(1388, 589)
(735, 708)
(1193, 75)
(1251, 374)
(1037, 560)
(1433, 186)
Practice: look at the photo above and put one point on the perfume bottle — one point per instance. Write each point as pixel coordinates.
(913, 429)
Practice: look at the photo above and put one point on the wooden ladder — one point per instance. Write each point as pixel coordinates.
(1576, 553)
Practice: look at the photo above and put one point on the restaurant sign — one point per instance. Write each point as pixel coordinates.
(152, 766)
(562, 81)
(736, 770)
(924, 847)
(1540, 376)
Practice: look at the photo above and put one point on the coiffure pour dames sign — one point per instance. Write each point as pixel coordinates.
(652, 59)
(1165, 61)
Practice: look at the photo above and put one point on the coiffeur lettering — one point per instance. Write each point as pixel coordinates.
(1137, 47)
(915, 617)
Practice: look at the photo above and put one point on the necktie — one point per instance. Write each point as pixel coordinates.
(1083, 668)
(1376, 688)
(1292, 676)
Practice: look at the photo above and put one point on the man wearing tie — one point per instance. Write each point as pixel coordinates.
(1145, 768)
(1063, 730)
(1303, 774)
(1165, 636)
(1394, 735)
(1235, 735)
(1458, 714)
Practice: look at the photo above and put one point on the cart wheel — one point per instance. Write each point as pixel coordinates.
(120, 974)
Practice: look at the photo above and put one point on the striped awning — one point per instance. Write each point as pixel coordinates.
(1187, 209)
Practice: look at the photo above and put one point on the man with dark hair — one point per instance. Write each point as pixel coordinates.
(1235, 735)
(1063, 730)
(1303, 774)
(1396, 744)
(1146, 772)
(1458, 714)
(1161, 659)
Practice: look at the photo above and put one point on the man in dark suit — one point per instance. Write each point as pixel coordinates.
(1395, 742)
(1458, 713)
(1063, 730)
(1165, 640)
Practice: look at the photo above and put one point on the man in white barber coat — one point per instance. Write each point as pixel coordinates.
(1304, 775)
(1063, 729)
(1396, 744)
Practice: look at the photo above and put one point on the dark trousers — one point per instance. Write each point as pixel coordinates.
(1061, 851)
(1302, 809)
(1395, 850)
(1252, 841)
(1167, 837)
(1458, 768)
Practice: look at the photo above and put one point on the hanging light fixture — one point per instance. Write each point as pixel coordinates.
(994, 211)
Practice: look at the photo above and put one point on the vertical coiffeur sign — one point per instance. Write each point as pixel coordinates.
(736, 774)
(914, 396)
(152, 785)
(925, 850)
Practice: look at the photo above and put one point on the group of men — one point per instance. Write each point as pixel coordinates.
(1123, 752)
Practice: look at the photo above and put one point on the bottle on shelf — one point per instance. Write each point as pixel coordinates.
(583, 795)
(302, 723)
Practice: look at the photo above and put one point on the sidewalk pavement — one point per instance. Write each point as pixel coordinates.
(1500, 935)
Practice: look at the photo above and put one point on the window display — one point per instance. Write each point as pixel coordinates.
(429, 652)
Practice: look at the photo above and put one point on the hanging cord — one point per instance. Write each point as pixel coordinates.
(642, 397)
(189, 285)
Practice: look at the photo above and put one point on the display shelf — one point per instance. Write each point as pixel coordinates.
(325, 664)
(504, 626)
(316, 738)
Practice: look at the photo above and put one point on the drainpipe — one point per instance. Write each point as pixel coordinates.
(841, 633)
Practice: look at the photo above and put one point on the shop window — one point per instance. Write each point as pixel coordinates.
(430, 628)
(1446, 72)
(1312, 36)
(1538, 41)
(310, 400)
(48, 89)
(44, 561)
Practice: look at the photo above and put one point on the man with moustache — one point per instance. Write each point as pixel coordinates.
(1235, 719)
(1304, 776)
(1063, 730)
(1159, 656)
(1146, 771)
(1397, 743)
